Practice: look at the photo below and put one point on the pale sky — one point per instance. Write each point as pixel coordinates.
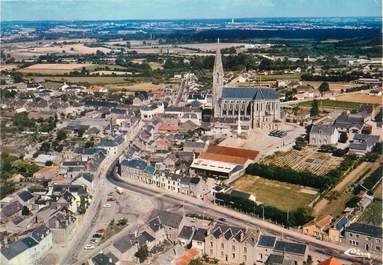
(178, 9)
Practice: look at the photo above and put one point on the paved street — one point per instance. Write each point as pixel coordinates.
(90, 217)
(197, 206)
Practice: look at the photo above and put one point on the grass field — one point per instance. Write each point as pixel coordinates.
(333, 104)
(281, 195)
(333, 85)
(94, 80)
(53, 69)
(373, 213)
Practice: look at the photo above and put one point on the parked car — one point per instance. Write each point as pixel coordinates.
(89, 246)
(107, 205)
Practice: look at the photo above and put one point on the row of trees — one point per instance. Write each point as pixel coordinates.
(296, 217)
(370, 181)
(286, 174)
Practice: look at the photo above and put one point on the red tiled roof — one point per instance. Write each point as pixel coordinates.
(223, 158)
(330, 261)
(238, 152)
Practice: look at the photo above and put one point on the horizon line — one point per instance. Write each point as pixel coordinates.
(175, 19)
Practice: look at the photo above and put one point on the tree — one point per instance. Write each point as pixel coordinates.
(196, 262)
(48, 163)
(324, 87)
(45, 147)
(343, 137)
(142, 253)
(61, 135)
(314, 108)
(25, 211)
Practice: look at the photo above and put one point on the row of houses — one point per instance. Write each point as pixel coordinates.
(206, 237)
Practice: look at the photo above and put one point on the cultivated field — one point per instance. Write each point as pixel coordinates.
(271, 192)
(35, 50)
(333, 104)
(93, 80)
(210, 46)
(53, 69)
(361, 98)
(306, 159)
(333, 85)
(8, 67)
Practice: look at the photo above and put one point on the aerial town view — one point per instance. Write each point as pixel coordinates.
(172, 132)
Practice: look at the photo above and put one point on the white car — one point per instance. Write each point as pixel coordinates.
(107, 205)
(89, 246)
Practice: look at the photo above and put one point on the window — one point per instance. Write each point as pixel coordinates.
(350, 234)
(244, 258)
(222, 245)
(378, 241)
(245, 249)
(233, 248)
(211, 251)
(233, 255)
(222, 254)
(377, 248)
(211, 244)
(357, 236)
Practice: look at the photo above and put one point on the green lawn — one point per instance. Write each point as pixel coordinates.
(333, 104)
(373, 213)
(281, 195)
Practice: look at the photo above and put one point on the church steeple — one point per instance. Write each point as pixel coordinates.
(217, 80)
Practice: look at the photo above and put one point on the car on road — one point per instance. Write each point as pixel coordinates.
(89, 246)
(94, 241)
(97, 235)
(222, 219)
(107, 205)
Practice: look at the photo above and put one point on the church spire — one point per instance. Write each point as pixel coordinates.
(217, 80)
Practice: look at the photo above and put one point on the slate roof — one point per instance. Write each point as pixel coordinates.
(250, 93)
(200, 234)
(368, 230)
(11, 208)
(290, 247)
(25, 195)
(341, 223)
(267, 241)
(17, 247)
(102, 259)
(134, 163)
(144, 237)
(186, 232)
(155, 224)
(40, 232)
(322, 129)
(124, 243)
(170, 219)
(228, 232)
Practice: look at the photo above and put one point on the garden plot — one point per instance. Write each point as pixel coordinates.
(306, 159)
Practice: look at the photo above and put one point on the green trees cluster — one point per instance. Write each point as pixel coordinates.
(314, 108)
(142, 253)
(324, 87)
(9, 166)
(296, 217)
(370, 181)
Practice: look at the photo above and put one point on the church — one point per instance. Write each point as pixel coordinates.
(260, 107)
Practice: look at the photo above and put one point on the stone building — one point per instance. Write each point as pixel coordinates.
(259, 106)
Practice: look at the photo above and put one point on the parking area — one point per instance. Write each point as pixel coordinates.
(266, 144)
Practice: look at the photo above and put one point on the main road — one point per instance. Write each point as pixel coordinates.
(89, 219)
(233, 217)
